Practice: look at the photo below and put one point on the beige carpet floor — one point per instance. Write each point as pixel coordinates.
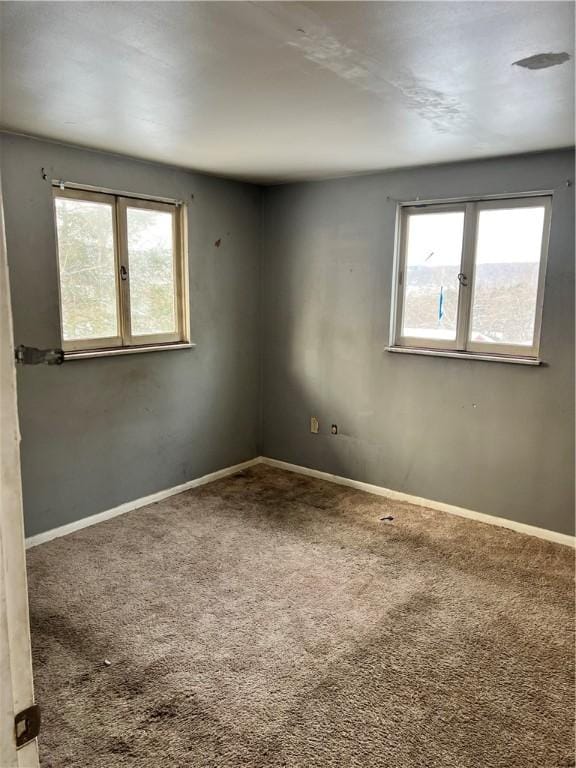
(270, 619)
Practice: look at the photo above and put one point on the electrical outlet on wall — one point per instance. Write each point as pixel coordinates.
(314, 425)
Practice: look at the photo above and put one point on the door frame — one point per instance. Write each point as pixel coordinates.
(16, 682)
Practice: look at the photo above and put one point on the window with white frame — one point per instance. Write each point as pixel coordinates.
(122, 271)
(470, 276)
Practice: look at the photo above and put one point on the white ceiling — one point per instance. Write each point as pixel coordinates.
(279, 91)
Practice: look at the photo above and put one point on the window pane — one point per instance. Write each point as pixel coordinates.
(506, 276)
(433, 257)
(87, 269)
(151, 258)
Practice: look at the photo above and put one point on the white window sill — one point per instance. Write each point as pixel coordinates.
(82, 354)
(518, 360)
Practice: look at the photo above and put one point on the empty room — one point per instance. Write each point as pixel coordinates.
(287, 384)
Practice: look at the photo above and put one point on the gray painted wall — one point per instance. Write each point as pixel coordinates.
(315, 260)
(493, 437)
(99, 432)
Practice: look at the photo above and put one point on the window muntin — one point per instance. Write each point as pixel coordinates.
(500, 277)
(121, 271)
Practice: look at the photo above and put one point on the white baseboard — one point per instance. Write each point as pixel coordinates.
(530, 530)
(85, 522)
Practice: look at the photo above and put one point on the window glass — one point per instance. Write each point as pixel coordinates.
(508, 251)
(151, 260)
(87, 269)
(432, 264)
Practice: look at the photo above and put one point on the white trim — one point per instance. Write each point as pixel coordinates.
(399, 293)
(476, 198)
(440, 506)
(16, 679)
(462, 355)
(82, 354)
(85, 522)
(63, 185)
(506, 348)
(472, 210)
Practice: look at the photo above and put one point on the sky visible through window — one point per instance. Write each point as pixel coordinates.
(508, 252)
(433, 256)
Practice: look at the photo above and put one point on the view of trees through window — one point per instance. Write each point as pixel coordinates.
(151, 257)
(95, 262)
(87, 269)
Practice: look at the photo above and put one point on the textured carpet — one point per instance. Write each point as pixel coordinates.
(270, 619)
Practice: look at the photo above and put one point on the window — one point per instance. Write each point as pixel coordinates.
(121, 270)
(470, 277)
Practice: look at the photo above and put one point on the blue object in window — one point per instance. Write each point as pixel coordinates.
(441, 303)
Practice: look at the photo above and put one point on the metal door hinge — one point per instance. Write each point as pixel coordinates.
(27, 725)
(32, 356)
